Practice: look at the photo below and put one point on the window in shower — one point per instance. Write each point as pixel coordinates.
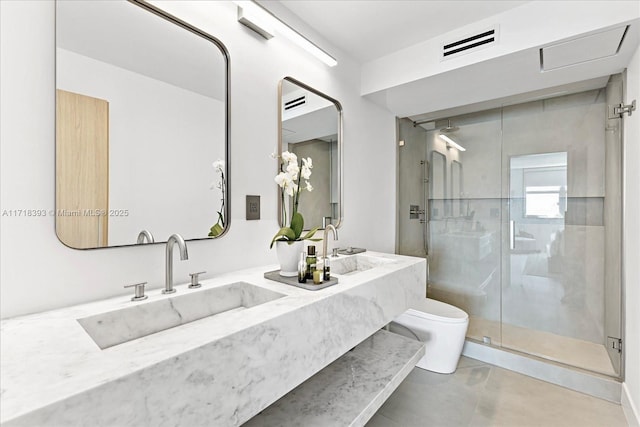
(543, 201)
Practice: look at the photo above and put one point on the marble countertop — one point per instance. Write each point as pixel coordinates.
(232, 366)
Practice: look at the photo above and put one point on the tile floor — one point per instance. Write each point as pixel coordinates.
(571, 351)
(479, 394)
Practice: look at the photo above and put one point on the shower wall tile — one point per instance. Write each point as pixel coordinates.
(585, 211)
(480, 134)
(585, 247)
(410, 236)
(563, 293)
(572, 124)
(464, 267)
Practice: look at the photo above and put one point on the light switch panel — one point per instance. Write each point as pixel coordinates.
(253, 207)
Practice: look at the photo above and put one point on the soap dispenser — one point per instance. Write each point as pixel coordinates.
(326, 270)
(302, 268)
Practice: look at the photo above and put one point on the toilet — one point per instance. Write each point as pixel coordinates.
(442, 327)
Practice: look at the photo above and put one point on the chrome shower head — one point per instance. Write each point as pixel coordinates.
(449, 128)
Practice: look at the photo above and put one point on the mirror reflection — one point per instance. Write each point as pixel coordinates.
(539, 185)
(141, 126)
(311, 128)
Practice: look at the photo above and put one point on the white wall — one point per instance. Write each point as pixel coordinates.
(533, 24)
(40, 273)
(414, 80)
(155, 129)
(632, 244)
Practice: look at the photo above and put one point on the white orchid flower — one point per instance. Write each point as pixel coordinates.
(290, 189)
(290, 157)
(306, 172)
(282, 179)
(287, 181)
(293, 169)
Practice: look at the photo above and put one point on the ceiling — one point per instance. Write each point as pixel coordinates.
(127, 36)
(397, 43)
(367, 30)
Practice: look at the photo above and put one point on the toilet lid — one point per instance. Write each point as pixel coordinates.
(428, 308)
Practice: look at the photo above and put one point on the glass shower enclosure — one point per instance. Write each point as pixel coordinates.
(518, 210)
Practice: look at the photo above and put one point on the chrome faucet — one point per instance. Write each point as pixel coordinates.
(325, 237)
(175, 238)
(145, 234)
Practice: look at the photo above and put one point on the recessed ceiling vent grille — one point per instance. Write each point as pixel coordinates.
(295, 103)
(470, 43)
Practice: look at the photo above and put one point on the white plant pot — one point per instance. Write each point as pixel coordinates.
(288, 257)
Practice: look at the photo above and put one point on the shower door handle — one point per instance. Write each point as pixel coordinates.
(425, 219)
(512, 234)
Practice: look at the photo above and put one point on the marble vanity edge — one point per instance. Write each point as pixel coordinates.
(246, 341)
(384, 394)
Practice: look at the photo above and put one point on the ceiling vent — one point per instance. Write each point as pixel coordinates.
(295, 103)
(583, 49)
(470, 43)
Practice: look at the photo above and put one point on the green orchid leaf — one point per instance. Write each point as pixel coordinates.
(310, 234)
(297, 224)
(216, 230)
(285, 233)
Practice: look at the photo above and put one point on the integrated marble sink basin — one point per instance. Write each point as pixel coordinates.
(137, 321)
(356, 264)
(53, 373)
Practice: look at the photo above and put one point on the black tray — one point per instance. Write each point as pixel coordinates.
(293, 281)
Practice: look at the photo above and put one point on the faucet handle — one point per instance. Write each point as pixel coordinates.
(194, 279)
(139, 289)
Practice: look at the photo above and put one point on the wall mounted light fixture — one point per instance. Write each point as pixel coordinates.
(254, 19)
(267, 25)
(451, 143)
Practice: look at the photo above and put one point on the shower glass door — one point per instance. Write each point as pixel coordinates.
(465, 218)
(554, 287)
(523, 223)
